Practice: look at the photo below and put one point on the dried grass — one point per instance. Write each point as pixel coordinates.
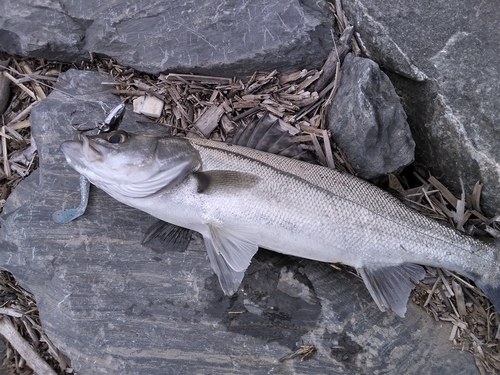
(20, 325)
(450, 297)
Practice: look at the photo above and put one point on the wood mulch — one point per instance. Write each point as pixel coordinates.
(213, 107)
(450, 297)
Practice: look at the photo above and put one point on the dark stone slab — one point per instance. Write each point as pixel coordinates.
(116, 307)
(443, 57)
(232, 38)
(368, 122)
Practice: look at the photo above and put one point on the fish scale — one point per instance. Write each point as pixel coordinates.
(240, 199)
(382, 210)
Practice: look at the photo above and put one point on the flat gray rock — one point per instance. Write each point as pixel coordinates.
(443, 57)
(368, 122)
(230, 38)
(116, 307)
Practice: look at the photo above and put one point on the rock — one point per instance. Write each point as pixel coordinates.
(4, 88)
(368, 122)
(114, 306)
(443, 59)
(230, 38)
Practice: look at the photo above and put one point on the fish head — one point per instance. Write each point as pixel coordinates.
(131, 165)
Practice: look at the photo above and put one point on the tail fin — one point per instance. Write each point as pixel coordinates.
(491, 291)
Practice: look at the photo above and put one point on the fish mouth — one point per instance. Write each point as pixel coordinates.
(83, 149)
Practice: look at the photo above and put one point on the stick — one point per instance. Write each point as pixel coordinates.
(6, 166)
(336, 55)
(25, 112)
(32, 358)
(328, 150)
(21, 86)
(36, 86)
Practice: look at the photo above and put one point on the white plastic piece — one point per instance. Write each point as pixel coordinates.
(149, 106)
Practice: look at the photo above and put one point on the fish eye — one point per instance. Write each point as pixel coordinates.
(118, 136)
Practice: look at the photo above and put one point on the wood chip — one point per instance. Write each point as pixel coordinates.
(311, 130)
(396, 185)
(5, 156)
(305, 352)
(337, 54)
(328, 150)
(40, 94)
(31, 357)
(21, 115)
(20, 85)
(284, 79)
(246, 104)
(444, 191)
(319, 151)
(209, 120)
(459, 297)
(476, 196)
(19, 125)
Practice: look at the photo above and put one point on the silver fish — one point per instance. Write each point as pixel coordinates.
(240, 199)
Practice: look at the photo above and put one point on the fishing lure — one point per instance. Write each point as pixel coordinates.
(110, 123)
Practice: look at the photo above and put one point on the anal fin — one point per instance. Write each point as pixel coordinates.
(230, 251)
(390, 286)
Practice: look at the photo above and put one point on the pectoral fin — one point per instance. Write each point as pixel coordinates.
(390, 286)
(224, 180)
(230, 250)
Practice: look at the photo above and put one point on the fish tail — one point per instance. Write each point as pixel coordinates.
(491, 290)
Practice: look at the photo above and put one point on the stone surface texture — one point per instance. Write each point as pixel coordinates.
(368, 122)
(116, 307)
(229, 38)
(444, 58)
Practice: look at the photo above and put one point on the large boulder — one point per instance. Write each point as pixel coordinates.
(231, 38)
(114, 306)
(443, 57)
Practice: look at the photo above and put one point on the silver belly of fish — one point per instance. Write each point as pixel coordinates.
(240, 199)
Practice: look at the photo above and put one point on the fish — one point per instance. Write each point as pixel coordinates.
(239, 199)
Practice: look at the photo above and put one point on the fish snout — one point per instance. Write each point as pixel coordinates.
(71, 149)
(82, 148)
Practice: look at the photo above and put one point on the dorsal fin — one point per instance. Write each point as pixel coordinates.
(266, 134)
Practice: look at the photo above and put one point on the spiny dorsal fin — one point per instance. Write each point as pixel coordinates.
(390, 286)
(266, 134)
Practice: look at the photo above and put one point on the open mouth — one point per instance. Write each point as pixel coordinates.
(82, 148)
(90, 150)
